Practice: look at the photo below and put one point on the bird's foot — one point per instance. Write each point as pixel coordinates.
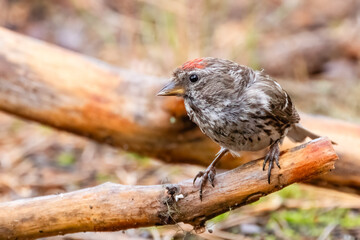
(204, 176)
(271, 157)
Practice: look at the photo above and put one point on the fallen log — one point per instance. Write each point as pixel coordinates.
(85, 96)
(111, 207)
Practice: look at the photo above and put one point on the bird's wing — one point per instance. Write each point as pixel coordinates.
(282, 107)
(280, 104)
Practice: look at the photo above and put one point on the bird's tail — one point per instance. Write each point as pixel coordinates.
(298, 133)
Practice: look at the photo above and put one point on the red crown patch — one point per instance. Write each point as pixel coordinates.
(196, 63)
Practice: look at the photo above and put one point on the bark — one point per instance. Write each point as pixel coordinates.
(111, 207)
(85, 96)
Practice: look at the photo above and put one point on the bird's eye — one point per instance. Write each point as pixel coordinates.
(193, 78)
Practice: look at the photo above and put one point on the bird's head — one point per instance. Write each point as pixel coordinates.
(205, 76)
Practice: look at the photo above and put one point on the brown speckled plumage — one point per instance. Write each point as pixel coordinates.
(237, 107)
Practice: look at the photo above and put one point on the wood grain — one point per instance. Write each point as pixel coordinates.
(85, 96)
(111, 207)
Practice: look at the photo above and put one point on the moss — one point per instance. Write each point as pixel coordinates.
(137, 157)
(220, 218)
(292, 191)
(295, 224)
(65, 159)
(102, 177)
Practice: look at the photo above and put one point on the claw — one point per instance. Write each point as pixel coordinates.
(208, 175)
(200, 174)
(271, 157)
(204, 179)
(212, 182)
(269, 170)
(277, 161)
(211, 175)
(265, 161)
(200, 193)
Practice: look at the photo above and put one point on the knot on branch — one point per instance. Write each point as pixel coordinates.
(172, 195)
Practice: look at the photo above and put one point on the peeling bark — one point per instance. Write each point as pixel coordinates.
(85, 96)
(112, 207)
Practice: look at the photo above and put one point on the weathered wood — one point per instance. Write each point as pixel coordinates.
(88, 97)
(111, 207)
(346, 176)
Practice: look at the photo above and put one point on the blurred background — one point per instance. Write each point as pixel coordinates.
(312, 47)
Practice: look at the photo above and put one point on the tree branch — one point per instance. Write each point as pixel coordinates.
(87, 97)
(111, 207)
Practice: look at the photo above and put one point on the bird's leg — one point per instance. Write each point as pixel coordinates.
(210, 172)
(271, 156)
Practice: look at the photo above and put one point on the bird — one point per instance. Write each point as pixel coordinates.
(239, 108)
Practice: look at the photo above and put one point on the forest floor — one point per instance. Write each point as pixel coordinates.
(312, 47)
